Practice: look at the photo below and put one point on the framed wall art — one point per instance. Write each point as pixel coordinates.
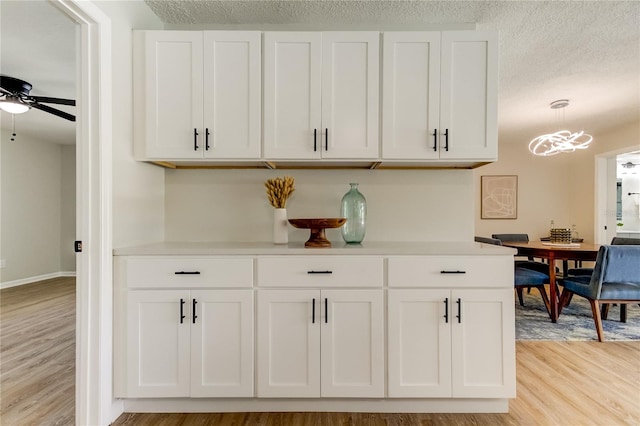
(499, 197)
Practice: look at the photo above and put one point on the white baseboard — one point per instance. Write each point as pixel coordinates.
(29, 280)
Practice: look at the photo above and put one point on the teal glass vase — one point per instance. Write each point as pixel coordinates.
(354, 208)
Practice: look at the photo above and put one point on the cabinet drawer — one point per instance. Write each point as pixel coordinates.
(451, 271)
(160, 271)
(325, 271)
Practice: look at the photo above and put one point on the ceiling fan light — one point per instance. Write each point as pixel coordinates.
(13, 106)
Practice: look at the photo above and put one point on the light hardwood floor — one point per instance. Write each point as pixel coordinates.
(559, 383)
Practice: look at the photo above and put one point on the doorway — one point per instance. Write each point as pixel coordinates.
(607, 196)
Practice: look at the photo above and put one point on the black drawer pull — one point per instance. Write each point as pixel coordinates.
(182, 316)
(195, 139)
(187, 273)
(446, 140)
(446, 310)
(326, 139)
(319, 272)
(326, 310)
(313, 311)
(193, 309)
(453, 272)
(435, 139)
(315, 139)
(459, 316)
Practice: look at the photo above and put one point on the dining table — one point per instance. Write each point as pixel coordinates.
(552, 252)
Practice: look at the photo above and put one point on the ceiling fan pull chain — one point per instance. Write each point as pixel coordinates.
(13, 127)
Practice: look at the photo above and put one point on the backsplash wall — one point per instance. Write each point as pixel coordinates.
(402, 205)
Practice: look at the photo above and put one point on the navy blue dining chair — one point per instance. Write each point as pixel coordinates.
(615, 279)
(524, 277)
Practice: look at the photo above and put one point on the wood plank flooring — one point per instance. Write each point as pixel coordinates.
(559, 383)
(37, 353)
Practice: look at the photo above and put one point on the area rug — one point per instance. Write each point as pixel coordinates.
(575, 321)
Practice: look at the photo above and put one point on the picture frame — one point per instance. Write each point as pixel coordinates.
(499, 197)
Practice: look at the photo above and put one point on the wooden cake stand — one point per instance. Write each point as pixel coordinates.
(317, 226)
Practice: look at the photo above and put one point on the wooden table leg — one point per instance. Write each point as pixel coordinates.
(553, 297)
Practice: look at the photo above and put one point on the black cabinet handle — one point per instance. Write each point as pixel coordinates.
(435, 139)
(313, 311)
(187, 273)
(459, 316)
(195, 139)
(446, 310)
(446, 140)
(319, 272)
(326, 139)
(326, 310)
(315, 140)
(182, 316)
(453, 272)
(193, 310)
(206, 139)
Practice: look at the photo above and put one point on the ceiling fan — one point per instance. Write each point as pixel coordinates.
(15, 99)
(629, 165)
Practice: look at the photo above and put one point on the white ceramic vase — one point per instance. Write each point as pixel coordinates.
(280, 228)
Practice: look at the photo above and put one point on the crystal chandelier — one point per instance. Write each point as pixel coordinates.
(560, 141)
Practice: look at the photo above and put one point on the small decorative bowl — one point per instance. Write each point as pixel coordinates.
(317, 227)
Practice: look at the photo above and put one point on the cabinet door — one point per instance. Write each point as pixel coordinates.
(232, 94)
(352, 344)
(483, 344)
(288, 343)
(157, 344)
(350, 87)
(292, 70)
(411, 95)
(173, 94)
(419, 343)
(468, 97)
(222, 343)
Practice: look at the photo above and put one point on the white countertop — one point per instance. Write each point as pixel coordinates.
(172, 248)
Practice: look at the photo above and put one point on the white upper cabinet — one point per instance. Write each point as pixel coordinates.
(232, 94)
(469, 95)
(411, 95)
(237, 97)
(440, 95)
(199, 94)
(321, 95)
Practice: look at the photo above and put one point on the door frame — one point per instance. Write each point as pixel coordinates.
(94, 402)
(605, 176)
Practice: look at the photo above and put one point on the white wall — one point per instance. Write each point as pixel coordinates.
(68, 208)
(542, 192)
(559, 187)
(231, 205)
(35, 213)
(138, 188)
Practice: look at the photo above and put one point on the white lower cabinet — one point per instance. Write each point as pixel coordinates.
(320, 343)
(158, 344)
(422, 333)
(183, 343)
(451, 343)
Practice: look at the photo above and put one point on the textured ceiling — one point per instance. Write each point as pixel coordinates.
(587, 52)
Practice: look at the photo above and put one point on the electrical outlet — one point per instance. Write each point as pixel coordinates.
(3, 263)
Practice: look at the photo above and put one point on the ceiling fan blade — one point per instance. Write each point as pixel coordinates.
(59, 101)
(54, 111)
